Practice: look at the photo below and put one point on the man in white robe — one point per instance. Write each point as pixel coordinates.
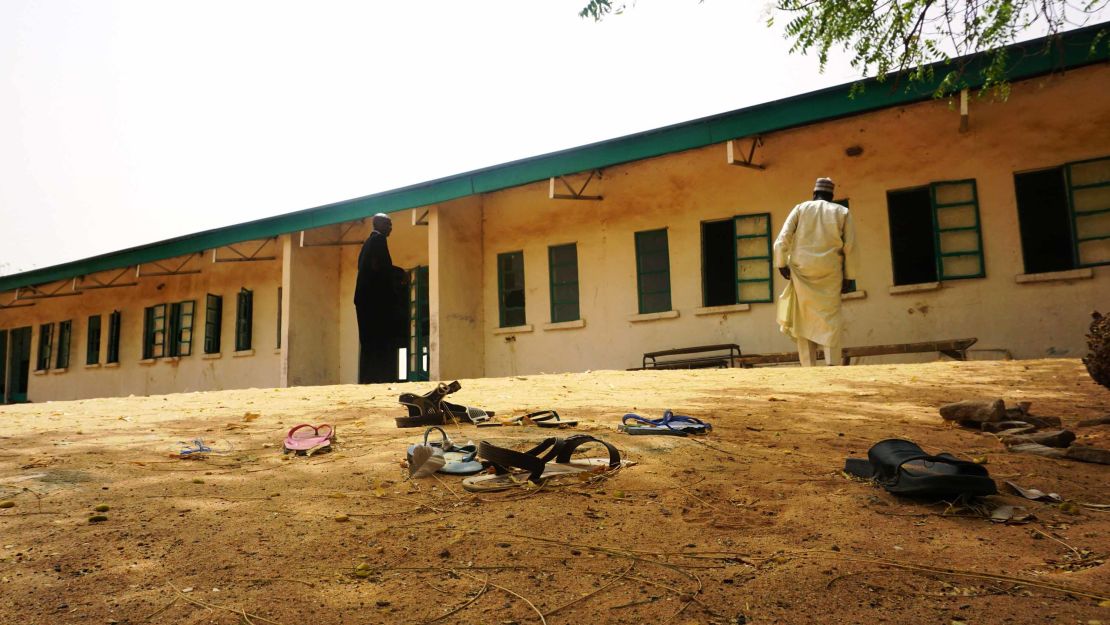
(816, 253)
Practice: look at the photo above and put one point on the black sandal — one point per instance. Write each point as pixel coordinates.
(426, 409)
(903, 468)
(543, 419)
(549, 460)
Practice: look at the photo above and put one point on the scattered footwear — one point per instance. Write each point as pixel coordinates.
(669, 425)
(445, 457)
(307, 439)
(550, 460)
(543, 419)
(431, 409)
(903, 468)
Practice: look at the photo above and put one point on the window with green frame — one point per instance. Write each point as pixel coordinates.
(753, 258)
(1089, 199)
(92, 341)
(114, 321)
(935, 233)
(563, 267)
(65, 336)
(244, 320)
(1064, 216)
(510, 289)
(181, 328)
(46, 346)
(653, 271)
(213, 318)
(154, 331)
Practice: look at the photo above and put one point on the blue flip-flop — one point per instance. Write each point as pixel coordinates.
(669, 425)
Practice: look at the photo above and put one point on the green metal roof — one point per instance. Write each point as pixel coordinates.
(1031, 58)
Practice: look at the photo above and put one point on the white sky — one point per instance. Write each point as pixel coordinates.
(127, 122)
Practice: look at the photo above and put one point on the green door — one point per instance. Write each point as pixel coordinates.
(19, 364)
(418, 325)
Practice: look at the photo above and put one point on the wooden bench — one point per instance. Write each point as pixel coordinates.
(953, 348)
(699, 357)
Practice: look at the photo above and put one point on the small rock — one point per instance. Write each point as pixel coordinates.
(1089, 454)
(1054, 438)
(7, 504)
(382, 603)
(1099, 421)
(974, 411)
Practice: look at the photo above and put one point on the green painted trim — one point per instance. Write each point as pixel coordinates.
(1033, 58)
(937, 230)
(641, 240)
(770, 269)
(1077, 215)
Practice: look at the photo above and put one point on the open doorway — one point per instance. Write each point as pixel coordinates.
(416, 356)
(17, 365)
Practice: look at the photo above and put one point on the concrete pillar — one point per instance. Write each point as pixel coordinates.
(455, 290)
(309, 314)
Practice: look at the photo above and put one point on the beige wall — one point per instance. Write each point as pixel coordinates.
(455, 292)
(903, 147)
(310, 332)
(165, 375)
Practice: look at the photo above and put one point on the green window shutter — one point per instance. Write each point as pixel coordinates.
(65, 335)
(46, 346)
(92, 341)
(510, 289)
(244, 318)
(181, 339)
(653, 271)
(1089, 199)
(213, 318)
(173, 330)
(154, 332)
(563, 267)
(753, 258)
(113, 337)
(959, 240)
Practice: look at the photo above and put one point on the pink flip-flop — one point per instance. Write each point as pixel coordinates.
(305, 437)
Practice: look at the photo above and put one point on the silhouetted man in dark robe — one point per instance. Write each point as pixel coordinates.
(377, 303)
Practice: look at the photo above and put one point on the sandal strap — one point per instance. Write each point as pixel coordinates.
(541, 415)
(444, 442)
(504, 459)
(574, 442)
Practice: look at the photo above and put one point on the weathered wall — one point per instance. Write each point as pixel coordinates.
(455, 290)
(196, 372)
(310, 321)
(903, 147)
(408, 245)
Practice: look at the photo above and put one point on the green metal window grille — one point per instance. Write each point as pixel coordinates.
(959, 239)
(1089, 199)
(213, 317)
(92, 341)
(65, 336)
(46, 346)
(563, 266)
(244, 318)
(113, 337)
(279, 319)
(154, 332)
(419, 325)
(180, 328)
(510, 289)
(653, 271)
(753, 258)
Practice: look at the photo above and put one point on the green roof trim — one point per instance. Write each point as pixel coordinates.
(1032, 58)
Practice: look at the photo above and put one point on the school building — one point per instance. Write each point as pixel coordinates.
(975, 218)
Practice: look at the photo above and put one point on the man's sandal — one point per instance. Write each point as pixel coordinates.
(550, 460)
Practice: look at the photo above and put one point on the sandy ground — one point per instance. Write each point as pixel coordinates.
(752, 524)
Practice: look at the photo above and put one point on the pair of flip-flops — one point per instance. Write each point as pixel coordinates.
(903, 468)
(669, 424)
(431, 409)
(550, 460)
(540, 418)
(442, 456)
(308, 439)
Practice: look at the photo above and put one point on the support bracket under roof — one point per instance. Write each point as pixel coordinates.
(168, 266)
(736, 156)
(239, 255)
(15, 303)
(421, 220)
(572, 193)
(41, 291)
(339, 239)
(96, 283)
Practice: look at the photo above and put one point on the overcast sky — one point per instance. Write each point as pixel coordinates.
(127, 122)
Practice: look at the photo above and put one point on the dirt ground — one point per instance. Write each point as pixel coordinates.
(753, 524)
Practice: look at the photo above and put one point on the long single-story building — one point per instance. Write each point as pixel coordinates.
(975, 218)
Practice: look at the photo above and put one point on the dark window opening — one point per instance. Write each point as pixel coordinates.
(718, 251)
(113, 337)
(510, 286)
(65, 335)
(46, 346)
(1042, 203)
(244, 320)
(912, 242)
(213, 317)
(653, 271)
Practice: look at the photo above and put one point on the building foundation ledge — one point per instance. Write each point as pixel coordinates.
(1055, 276)
(524, 329)
(666, 314)
(565, 325)
(915, 288)
(722, 310)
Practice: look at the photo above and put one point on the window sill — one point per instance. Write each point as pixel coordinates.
(565, 325)
(1055, 276)
(277, 350)
(514, 329)
(60, 370)
(854, 295)
(148, 361)
(914, 288)
(242, 354)
(111, 365)
(666, 314)
(172, 359)
(92, 365)
(39, 372)
(215, 356)
(722, 310)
